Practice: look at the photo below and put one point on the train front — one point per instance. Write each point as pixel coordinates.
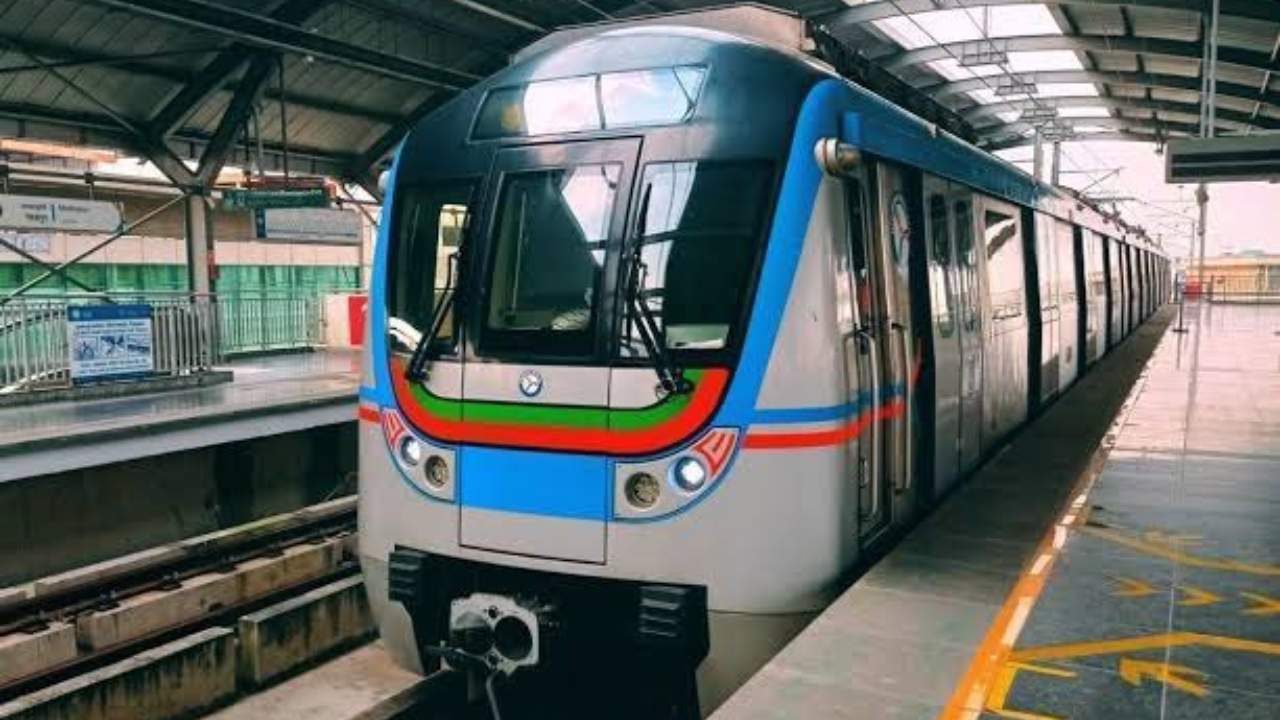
(568, 334)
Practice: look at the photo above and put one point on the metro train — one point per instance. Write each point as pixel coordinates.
(671, 326)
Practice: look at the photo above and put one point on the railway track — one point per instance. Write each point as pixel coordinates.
(124, 607)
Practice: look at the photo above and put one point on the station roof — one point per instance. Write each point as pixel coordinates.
(339, 82)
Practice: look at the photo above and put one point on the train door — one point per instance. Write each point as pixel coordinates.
(1001, 321)
(1115, 267)
(1098, 284)
(1047, 271)
(1068, 305)
(891, 246)
(970, 262)
(865, 358)
(944, 302)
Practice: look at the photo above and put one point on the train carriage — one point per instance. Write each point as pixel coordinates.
(669, 327)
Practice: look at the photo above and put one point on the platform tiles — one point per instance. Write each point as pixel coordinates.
(925, 633)
(1165, 599)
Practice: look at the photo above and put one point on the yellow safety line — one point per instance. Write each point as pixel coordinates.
(1146, 642)
(985, 674)
(1179, 556)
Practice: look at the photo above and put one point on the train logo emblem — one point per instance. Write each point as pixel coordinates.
(530, 383)
(899, 230)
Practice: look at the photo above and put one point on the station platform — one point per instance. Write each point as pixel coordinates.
(1092, 570)
(267, 395)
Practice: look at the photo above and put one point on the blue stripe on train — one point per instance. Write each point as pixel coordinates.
(844, 411)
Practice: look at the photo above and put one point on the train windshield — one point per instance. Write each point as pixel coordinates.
(548, 249)
(702, 233)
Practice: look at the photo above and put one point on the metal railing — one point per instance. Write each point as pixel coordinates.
(263, 323)
(190, 333)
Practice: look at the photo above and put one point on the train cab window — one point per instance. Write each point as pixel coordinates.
(939, 270)
(635, 98)
(546, 267)
(427, 231)
(702, 235)
(1005, 270)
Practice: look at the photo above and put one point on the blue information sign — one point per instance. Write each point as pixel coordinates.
(109, 342)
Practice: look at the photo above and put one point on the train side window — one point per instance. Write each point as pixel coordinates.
(939, 269)
(428, 228)
(967, 261)
(1005, 270)
(863, 296)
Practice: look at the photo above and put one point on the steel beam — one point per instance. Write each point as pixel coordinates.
(1266, 10)
(99, 129)
(1110, 136)
(197, 90)
(1140, 125)
(223, 141)
(263, 32)
(1101, 44)
(1112, 78)
(63, 56)
(985, 115)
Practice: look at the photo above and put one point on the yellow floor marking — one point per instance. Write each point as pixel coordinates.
(1179, 556)
(1195, 597)
(1147, 642)
(1163, 538)
(1265, 605)
(1004, 681)
(1133, 588)
(1175, 676)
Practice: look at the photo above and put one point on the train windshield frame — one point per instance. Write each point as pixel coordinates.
(703, 238)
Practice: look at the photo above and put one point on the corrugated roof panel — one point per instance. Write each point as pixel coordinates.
(1169, 24)
(1247, 34)
(1099, 20)
(1182, 96)
(1115, 62)
(1172, 66)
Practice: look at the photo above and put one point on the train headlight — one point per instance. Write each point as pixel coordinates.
(411, 451)
(437, 471)
(642, 490)
(689, 474)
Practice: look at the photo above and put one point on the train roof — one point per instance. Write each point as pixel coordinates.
(881, 127)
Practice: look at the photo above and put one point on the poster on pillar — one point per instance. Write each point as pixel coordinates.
(109, 342)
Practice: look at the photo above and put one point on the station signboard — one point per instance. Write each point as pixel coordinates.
(30, 212)
(315, 225)
(252, 199)
(109, 342)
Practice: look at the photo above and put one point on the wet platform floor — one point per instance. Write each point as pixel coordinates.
(277, 393)
(1130, 571)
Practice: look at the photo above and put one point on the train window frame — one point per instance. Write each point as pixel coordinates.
(573, 344)
(449, 341)
(495, 119)
(940, 230)
(758, 238)
(1013, 243)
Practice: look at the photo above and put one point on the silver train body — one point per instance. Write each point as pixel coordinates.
(858, 308)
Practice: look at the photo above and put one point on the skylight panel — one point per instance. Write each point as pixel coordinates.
(1037, 60)
(951, 69)
(1084, 112)
(1068, 90)
(966, 24)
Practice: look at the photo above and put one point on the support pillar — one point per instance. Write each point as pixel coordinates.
(199, 231)
(1037, 163)
(1055, 171)
(1202, 201)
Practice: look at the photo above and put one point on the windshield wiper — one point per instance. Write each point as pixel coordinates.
(416, 370)
(670, 374)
